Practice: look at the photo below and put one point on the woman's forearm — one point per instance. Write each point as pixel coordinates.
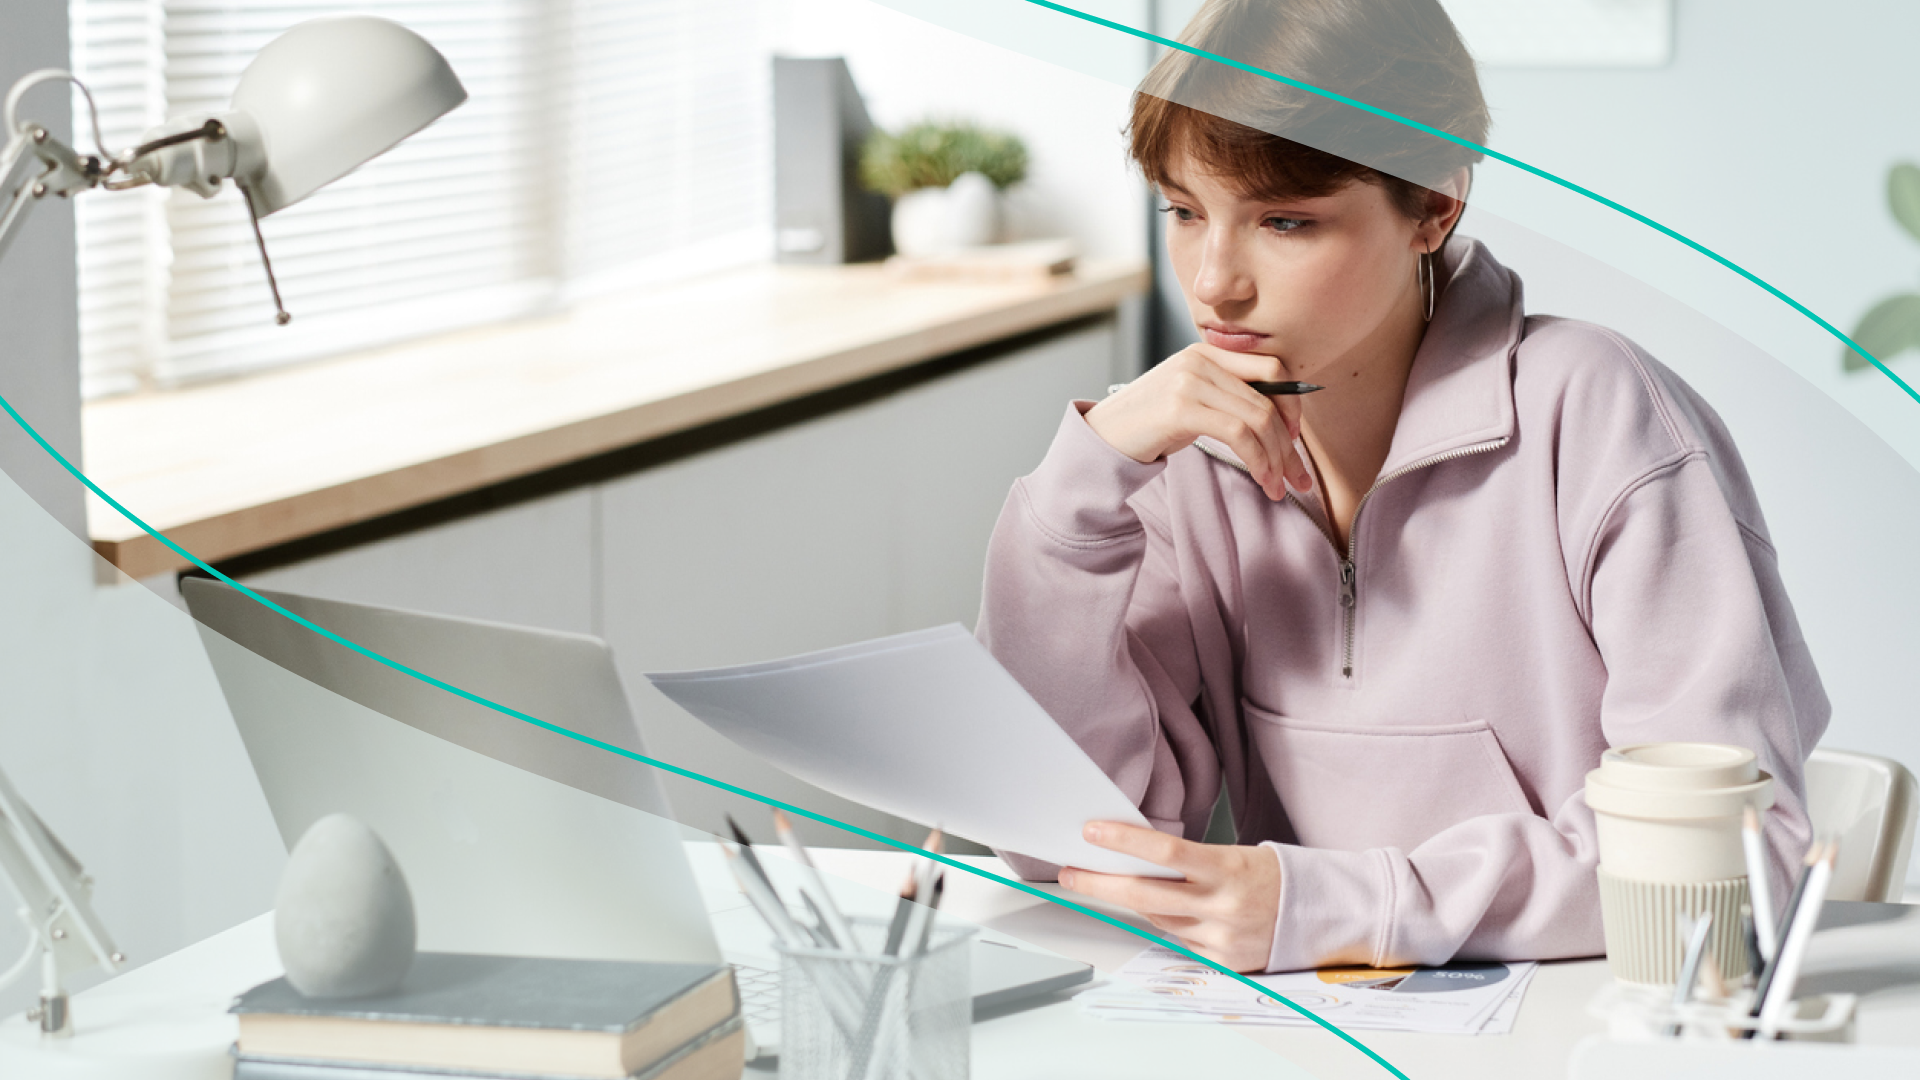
(1076, 602)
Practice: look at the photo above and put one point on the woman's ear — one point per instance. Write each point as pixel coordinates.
(1445, 203)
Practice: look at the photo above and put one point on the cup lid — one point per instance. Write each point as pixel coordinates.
(1678, 766)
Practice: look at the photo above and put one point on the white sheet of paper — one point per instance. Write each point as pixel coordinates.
(926, 726)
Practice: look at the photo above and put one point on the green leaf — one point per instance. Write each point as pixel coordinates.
(1903, 195)
(1890, 327)
(932, 153)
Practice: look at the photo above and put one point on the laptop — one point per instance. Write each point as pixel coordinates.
(514, 839)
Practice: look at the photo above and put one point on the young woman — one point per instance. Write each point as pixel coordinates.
(1398, 618)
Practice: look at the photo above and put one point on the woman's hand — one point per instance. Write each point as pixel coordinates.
(1224, 911)
(1202, 390)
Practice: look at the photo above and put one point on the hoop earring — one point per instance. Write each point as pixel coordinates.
(1425, 270)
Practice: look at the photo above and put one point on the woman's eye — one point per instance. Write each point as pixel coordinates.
(1283, 224)
(1180, 213)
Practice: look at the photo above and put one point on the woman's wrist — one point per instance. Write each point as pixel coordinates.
(1116, 432)
(1079, 491)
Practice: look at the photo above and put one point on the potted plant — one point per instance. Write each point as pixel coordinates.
(945, 179)
(1892, 325)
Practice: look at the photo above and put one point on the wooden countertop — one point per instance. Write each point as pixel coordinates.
(233, 467)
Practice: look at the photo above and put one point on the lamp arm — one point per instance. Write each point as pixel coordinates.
(18, 173)
(53, 892)
(35, 164)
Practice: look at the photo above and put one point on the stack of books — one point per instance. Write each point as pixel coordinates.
(503, 1017)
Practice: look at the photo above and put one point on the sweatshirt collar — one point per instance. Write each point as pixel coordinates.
(1460, 388)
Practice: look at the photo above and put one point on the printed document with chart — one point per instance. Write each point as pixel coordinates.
(1467, 998)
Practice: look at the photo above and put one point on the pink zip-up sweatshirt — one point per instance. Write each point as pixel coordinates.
(1562, 553)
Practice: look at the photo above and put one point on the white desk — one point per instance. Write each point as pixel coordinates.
(167, 1020)
(1551, 1020)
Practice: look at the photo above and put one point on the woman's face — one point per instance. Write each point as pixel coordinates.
(1325, 284)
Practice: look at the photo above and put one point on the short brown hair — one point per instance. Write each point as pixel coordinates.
(1401, 56)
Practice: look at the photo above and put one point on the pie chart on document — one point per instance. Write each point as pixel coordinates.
(1463, 976)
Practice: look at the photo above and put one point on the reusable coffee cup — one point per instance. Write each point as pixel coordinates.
(1668, 818)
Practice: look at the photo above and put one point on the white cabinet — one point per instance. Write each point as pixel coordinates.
(957, 444)
(530, 563)
(771, 546)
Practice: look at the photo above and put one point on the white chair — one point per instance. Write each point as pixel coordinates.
(1868, 803)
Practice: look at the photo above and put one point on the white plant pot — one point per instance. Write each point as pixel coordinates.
(965, 213)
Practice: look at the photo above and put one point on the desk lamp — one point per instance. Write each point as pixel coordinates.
(318, 102)
(61, 929)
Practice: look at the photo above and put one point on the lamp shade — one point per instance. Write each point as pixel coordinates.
(330, 95)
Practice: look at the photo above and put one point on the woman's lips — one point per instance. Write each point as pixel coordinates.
(1232, 338)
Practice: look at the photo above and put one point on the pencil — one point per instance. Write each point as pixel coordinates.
(1717, 989)
(1758, 887)
(1694, 942)
(746, 851)
(842, 1001)
(764, 900)
(906, 914)
(1778, 1000)
(1788, 917)
(897, 929)
(1755, 962)
(933, 908)
(829, 912)
(826, 936)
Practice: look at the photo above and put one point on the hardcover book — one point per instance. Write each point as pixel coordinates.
(500, 1015)
(717, 1055)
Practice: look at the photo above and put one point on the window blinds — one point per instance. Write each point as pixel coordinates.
(602, 142)
(122, 235)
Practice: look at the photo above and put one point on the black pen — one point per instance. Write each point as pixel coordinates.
(1285, 388)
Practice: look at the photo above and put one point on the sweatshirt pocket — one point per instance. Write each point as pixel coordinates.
(1353, 788)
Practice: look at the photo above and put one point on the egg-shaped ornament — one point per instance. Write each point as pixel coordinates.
(343, 919)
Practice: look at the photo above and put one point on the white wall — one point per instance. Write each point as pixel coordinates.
(1079, 183)
(39, 306)
(1767, 139)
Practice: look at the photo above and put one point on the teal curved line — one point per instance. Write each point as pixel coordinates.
(1170, 43)
(34, 433)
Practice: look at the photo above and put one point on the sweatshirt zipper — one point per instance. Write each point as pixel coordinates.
(1349, 570)
(1347, 600)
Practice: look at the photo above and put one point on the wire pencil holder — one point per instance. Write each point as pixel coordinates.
(1637, 1014)
(848, 1015)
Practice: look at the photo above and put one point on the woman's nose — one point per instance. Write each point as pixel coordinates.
(1223, 277)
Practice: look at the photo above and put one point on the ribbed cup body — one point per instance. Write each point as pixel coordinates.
(1642, 920)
